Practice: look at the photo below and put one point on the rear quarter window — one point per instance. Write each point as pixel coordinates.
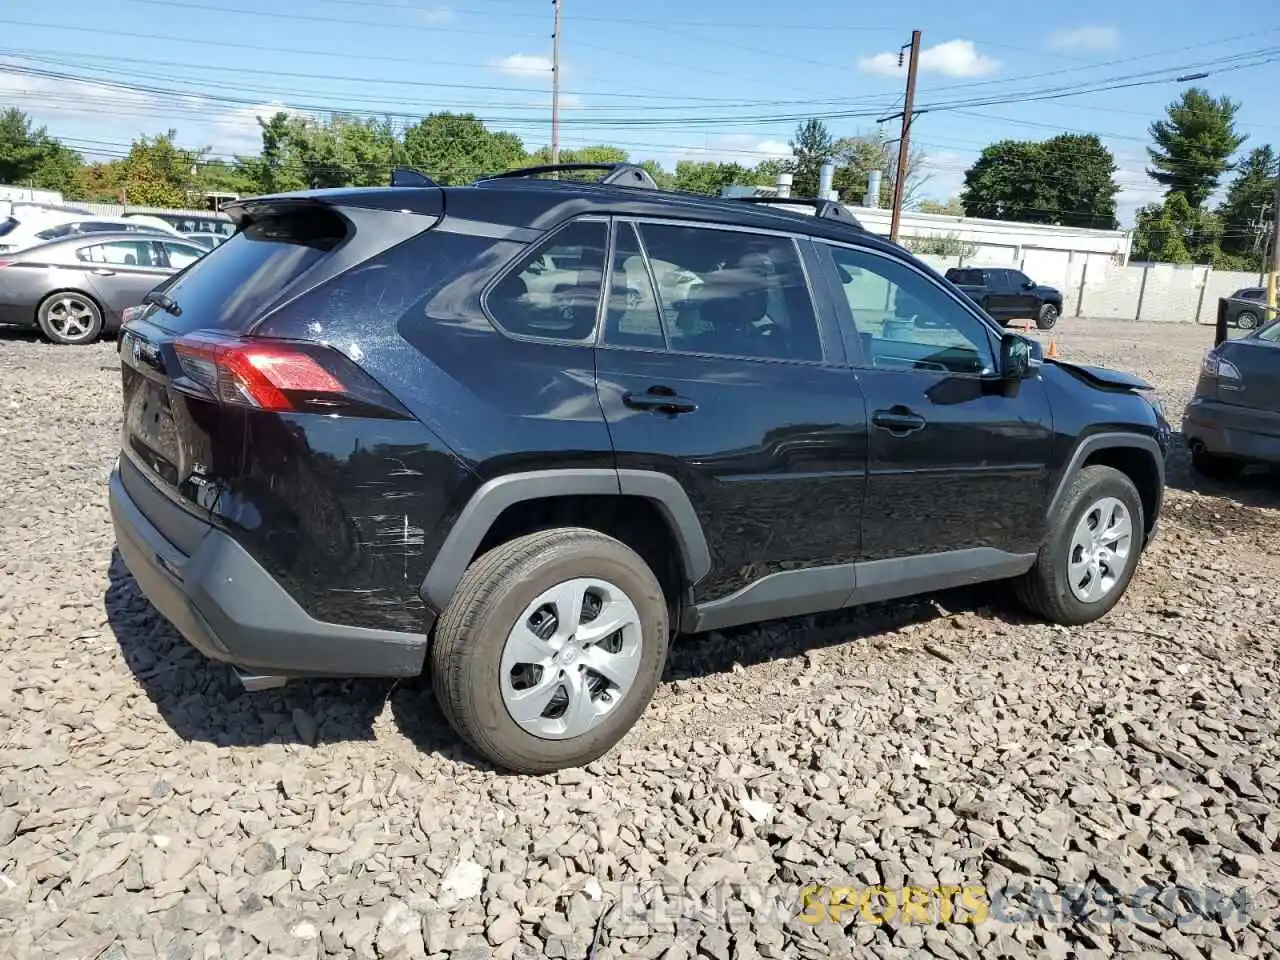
(230, 287)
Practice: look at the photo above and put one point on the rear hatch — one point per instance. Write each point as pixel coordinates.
(1248, 375)
(192, 370)
(178, 436)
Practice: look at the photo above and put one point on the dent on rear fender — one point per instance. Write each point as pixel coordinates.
(338, 512)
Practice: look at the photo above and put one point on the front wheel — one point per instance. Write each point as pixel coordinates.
(1047, 316)
(551, 649)
(1246, 320)
(1095, 538)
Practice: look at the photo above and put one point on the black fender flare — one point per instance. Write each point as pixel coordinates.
(496, 495)
(1104, 441)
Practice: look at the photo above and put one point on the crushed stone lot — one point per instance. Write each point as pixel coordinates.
(150, 808)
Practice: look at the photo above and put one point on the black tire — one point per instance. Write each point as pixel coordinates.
(1044, 589)
(472, 633)
(1213, 465)
(1246, 320)
(1048, 316)
(65, 303)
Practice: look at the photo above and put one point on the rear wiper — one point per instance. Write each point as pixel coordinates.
(164, 302)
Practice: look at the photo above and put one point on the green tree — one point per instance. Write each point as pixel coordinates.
(1173, 231)
(1194, 145)
(30, 157)
(454, 148)
(1251, 192)
(710, 178)
(811, 147)
(1068, 180)
(157, 173)
(953, 207)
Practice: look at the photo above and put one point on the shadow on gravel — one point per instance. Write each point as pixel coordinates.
(702, 655)
(201, 700)
(1258, 486)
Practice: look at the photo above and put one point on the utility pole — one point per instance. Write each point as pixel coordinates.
(904, 142)
(1275, 258)
(555, 86)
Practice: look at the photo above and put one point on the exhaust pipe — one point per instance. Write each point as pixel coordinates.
(254, 682)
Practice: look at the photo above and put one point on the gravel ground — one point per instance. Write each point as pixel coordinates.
(150, 808)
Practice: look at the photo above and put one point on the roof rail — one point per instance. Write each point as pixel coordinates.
(408, 177)
(827, 209)
(622, 174)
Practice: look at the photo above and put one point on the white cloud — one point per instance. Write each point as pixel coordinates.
(1085, 38)
(435, 16)
(524, 65)
(954, 58)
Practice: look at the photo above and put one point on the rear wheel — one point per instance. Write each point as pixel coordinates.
(1246, 320)
(1047, 316)
(69, 317)
(1095, 538)
(551, 649)
(1213, 465)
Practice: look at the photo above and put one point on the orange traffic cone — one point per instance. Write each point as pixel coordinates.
(1053, 349)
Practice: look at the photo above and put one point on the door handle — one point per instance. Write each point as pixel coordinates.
(660, 400)
(899, 421)
(103, 272)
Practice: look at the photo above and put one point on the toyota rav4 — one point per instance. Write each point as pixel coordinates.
(521, 432)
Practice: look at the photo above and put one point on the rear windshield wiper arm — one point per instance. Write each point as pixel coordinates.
(164, 302)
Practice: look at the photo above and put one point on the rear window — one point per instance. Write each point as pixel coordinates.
(230, 287)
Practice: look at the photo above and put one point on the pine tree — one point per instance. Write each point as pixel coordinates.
(1194, 145)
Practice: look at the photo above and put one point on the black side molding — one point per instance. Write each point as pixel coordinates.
(495, 496)
(1105, 441)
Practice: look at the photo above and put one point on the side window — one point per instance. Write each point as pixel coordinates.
(632, 319)
(905, 322)
(125, 253)
(180, 255)
(732, 293)
(554, 290)
(1018, 279)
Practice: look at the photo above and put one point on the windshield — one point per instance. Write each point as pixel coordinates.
(1270, 333)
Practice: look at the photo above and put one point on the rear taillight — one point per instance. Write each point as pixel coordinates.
(283, 376)
(1215, 366)
(5, 263)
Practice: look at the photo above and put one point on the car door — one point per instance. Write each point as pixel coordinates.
(1024, 302)
(958, 466)
(715, 366)
(123, 271)
(1000, 296)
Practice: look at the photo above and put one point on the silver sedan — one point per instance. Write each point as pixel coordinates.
(78, 288)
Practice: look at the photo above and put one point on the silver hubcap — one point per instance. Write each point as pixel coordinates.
(71, 318)
(1100, 549)
(571, 658)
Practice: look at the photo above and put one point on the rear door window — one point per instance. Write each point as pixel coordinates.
(181, 254)
(231, 286)
(124, 253)
(553, 293)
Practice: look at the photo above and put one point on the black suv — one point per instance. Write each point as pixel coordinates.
(520, 432)
(1009, 295)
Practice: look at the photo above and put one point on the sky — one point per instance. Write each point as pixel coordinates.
(667, 80)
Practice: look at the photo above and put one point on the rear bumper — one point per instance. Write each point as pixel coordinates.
(1233, 431)
(232, 610)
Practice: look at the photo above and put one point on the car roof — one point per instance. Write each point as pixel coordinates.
(91, 239)
(523, 201)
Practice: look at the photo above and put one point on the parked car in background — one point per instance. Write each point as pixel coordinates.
(521, 431)
(190, 222)
(1009, 294)
(1247, 308)
(204, 239)
(1234, 418)
(57, 226)
(77, 288)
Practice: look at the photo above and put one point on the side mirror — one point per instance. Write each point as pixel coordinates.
(1028, 284)
(1015, 357)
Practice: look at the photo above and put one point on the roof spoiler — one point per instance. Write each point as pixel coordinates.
(618, 174)
(827, 209)
(408, 177)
